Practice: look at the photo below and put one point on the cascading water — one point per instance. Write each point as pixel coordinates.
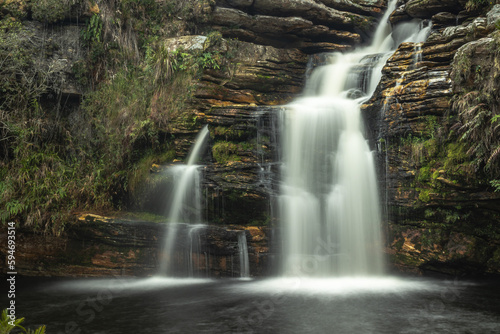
(329, 204)
(185, 207)
(243, 250)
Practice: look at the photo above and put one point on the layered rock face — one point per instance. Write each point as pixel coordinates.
(106, 246)
(441, 216)
(311, 26)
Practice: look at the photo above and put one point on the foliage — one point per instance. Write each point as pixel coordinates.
(472, 5)
(477, 105)
(34, 176)
(15, 8)
(6, 327)
(49, 11)
(92, 33)
(55, 160)
(224, 151)
(495, 184)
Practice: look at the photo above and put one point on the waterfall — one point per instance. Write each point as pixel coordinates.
(184, 207)
(243, 250)
(329, 204)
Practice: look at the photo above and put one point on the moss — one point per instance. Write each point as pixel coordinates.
(456, 153)
(225, 151)
(424, 174)
(424, 195)
(231, 133)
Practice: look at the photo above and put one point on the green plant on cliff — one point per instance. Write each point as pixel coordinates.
(496, 185)
(477, 4)
(476, 104)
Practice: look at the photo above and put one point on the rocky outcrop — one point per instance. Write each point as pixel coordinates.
(308, 25)
(104, 246)
(441, 216)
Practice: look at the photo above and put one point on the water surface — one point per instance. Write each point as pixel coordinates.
(282, 305)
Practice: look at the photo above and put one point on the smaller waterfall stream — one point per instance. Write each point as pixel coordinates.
(185, 205)
(243, 250)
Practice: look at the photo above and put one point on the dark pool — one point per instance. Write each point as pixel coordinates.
(292, 305)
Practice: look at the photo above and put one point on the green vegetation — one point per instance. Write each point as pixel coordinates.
(464, 151)
(7, 325)
(224, 151)
(58, 155)
(49, 11)
(476, 105)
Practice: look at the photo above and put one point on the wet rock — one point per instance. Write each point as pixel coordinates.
(106, 246)
(436, 222)
(399, 15)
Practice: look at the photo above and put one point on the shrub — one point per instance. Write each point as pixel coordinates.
(49, 11)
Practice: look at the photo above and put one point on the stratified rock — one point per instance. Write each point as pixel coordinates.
(399, 14)
(242, 4)
(309, 25)
(363, 7)
(437, 221)
(283, 32)
(443, 19)
(105, 246)
(311, 10)
(427, 8)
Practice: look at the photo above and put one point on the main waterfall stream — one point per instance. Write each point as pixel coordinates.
(329, 204)
(333, 278)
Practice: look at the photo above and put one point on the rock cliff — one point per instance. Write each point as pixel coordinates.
(442, 212)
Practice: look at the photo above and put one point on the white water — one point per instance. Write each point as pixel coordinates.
(243, 250)
(185, 204)
(329, 204)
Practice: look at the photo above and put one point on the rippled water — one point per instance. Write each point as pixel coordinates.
(284, 305)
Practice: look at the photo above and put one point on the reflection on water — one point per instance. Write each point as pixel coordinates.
(284, 305)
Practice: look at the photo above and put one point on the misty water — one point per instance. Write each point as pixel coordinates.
(279, 305)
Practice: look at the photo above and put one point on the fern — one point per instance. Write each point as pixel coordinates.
(6, 327)
(5, 323)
